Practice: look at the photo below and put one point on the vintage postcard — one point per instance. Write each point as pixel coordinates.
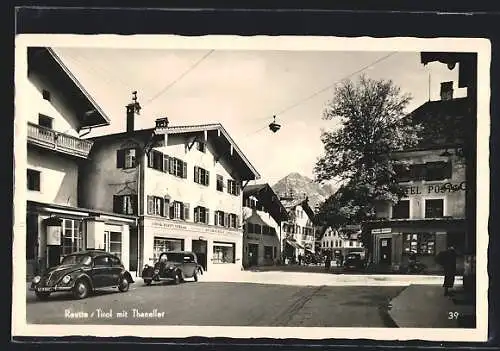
(225, 186)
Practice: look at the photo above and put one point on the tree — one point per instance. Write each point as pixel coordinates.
(372, 123)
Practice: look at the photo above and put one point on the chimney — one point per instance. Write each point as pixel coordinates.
(132, 109)
(446, 91)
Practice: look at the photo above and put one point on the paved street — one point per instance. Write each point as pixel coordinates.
(223, 304)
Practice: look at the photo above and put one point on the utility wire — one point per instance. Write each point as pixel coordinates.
(326, 88)
(179, 78)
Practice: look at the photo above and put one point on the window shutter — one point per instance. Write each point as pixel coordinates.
(238, 188)
(216, 219)
(229, 185)
(133, 199)
(166, 204)
(151, 159)
(151, 205)
(186, 211)
(171, 210)
(171, 168)
(138, 152)
(196, 215)
(196, 170)
(207, 214)
(237, 221)
(117, 204)
(120, 158)
(448, 170)
(207, 178)
(166, 164)
(184, 170)
(226, 220)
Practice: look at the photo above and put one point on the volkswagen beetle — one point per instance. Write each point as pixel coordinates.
(81, 274)
(173, 266)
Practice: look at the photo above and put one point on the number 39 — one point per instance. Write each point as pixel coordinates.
(453, 315)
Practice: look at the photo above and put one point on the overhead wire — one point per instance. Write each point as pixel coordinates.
(324, 89)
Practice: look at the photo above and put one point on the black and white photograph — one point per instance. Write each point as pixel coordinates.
(305, 187)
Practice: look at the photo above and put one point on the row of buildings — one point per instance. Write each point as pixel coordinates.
(140, 192)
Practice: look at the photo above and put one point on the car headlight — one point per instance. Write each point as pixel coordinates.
(66, 279)
(170, 268)
(36, 279)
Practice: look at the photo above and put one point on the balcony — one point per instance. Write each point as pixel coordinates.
(60, 142)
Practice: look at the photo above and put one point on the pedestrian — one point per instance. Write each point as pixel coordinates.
(300, 259)
(448, 259)
(341, 260)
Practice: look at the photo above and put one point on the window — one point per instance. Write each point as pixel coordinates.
(178, 168)
(257, 229)
(419, 243)
(223, 252)
(233, 221)
(201, 176)
(156, 206)
(220, 184)
(125, 204)
(115, 261)
(166, 244)
(201, 214)
(102, 261)
(45, 121)
(220, 218)
(250, 228)
(233, 187)
(418, 172)
(46, 95)
(179, 210)
(351, 243)
(434, 208)
(72, 240)
(33, 180)
(402, 172)
(438, 170)
(158, 161)
(201, 146)
(113, 243)
(268, 252)
(126, 158)
(401, 209)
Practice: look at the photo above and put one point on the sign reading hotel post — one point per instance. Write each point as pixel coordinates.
(426, 189)
(53, 229)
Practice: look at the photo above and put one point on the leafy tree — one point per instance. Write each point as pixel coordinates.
(371, 123)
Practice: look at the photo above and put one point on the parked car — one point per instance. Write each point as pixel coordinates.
(81, 274)
(173, 266)
(354, 261)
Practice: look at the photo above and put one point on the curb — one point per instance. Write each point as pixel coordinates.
(386, 311)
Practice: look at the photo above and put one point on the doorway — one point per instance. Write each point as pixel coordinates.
(200, 249)
(385, 249)
(253, 254)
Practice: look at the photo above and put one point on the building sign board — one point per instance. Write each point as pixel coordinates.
(191, 228)
(381, 231)
(53, 235)
(435, 188)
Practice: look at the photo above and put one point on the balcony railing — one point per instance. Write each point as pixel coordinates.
(50, 139)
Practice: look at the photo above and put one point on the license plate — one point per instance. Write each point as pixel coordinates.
(44, 289)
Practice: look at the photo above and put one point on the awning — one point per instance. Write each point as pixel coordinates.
(295, 244)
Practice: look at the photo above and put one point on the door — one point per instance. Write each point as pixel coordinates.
(200, 249)
(385, 249)
(253, 254)
(102, 272)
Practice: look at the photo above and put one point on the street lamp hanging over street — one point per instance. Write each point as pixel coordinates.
(273, 126)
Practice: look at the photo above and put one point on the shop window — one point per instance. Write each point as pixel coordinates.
(33, 180)
(268, 252)
(125, 204)
(419, 243)
(233, 187)
(438, 170)
(434, 208)
(113, 243)
(126, 158)
(166, 244)
(401, 209)
(201, 176)
(177, 167)
(223, 252)
(201, 214)
(220, 183)
(45, 121)
(72, 236)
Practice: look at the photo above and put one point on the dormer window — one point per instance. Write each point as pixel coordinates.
(201, 146)
(46, 95)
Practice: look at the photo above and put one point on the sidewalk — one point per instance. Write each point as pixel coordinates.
(425, 306)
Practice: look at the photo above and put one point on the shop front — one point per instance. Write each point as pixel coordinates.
(396, 240)
(218, 249)
(54, 231)
(261, 249)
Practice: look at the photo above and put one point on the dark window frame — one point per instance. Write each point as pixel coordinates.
(430, 213)
(201, 176)
(397, 209)
(34, 178)
(219, 183)
(45, 121)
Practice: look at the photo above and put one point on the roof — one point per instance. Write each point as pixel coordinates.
(47, 63)
(215, 128)
(268, 198)
(304, 203)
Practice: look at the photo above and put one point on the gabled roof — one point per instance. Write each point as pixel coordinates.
(304, 203)
(216, 128)
(268, 198)
(47, 63)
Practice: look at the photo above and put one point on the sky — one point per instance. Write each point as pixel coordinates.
(242, 90)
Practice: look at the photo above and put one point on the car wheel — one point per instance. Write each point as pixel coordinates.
(147, 281)
(195, 276)
(81, 289)
(42, 295)
(124, 285)
(177, 278)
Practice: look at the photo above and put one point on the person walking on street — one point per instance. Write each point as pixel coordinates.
(448, 259)
(300, 259)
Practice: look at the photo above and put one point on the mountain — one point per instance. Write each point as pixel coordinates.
(301, 186)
